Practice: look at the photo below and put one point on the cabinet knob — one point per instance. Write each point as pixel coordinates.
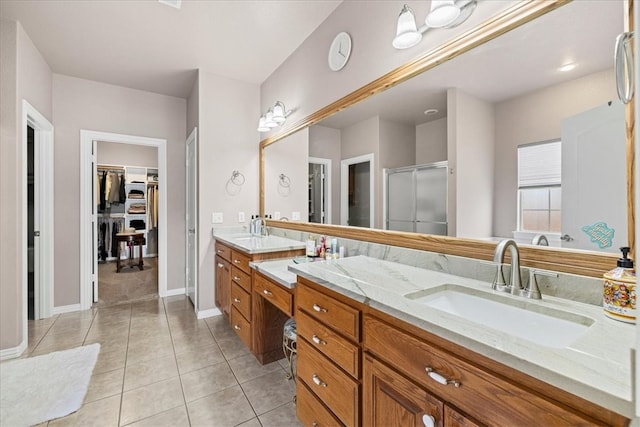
(440, 379)
(220, 265)
(266, 292)
(236, 300)
(318, 381)
(236, 327)
(319, 309)
(317, 340)
(428, 420)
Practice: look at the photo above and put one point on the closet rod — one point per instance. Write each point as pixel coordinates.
(110, 168)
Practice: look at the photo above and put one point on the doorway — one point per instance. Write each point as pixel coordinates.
(88, 207)
(357, 199)
(319, 190)
(126, 194)
(37, 232)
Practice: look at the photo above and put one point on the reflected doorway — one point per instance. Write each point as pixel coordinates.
(357, 191)
(319, 190)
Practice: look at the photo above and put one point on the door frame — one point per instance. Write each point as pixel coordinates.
(327, 186)
(43, 198)
(192, 139)
(344, 187)
(87, 219)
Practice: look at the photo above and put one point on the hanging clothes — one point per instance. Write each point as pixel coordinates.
(123, 193)
(114, 242)
(103, 189)
(114, 188)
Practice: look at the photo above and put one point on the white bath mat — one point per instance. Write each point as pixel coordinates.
(41, 388)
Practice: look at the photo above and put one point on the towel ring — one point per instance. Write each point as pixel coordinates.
(284, 181)
(237, 178)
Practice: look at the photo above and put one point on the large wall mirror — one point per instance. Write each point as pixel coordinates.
(520, 136)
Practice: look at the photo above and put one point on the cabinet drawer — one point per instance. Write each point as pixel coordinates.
(454, 418)
(331, 312)
(477, 390)
(223, 251)
(274, 293)
(336, 389)
(310, 411)
(240, 260)
(241, 278)
(241, 326)
(334, 346)
(241, 300)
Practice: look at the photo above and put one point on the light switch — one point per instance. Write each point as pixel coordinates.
(295, 216)
(241, 217)
(276, 215)
(216, 218)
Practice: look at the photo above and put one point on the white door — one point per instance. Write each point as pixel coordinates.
(594, 192)
(319, 190)
(192, 218)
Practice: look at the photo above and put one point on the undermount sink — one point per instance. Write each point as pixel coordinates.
(521, 318)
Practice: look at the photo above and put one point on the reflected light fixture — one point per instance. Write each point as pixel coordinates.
(274, 117)
(443, 14)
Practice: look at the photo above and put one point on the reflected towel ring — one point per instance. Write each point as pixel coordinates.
(237, 178)
(284, 181)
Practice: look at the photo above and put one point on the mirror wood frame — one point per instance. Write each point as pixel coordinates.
(558, 259)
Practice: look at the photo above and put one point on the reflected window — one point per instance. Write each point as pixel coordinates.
(539, 187)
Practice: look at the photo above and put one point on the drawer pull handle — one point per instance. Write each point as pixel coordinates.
(220, 265)
(236, 300)
(319, 309)
(439, 378)
(236, 327)
(267, 292)
(236, 261)
(318, 381)
(220, 251)
(236, 278)
(317, 340)
(314, 424)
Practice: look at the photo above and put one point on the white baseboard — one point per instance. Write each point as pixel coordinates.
(208, 313)
(172, 292)
(65, 309)
(13, 352)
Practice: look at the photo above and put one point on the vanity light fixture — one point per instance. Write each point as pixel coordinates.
(274, 117)
(443, 14)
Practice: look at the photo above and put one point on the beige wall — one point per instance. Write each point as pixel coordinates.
(24, 75)
(325, 143)
(228, 141)
(537, 117)
(304, 81)
(471, 130)
(112, 153)
(83, 104)
(287, 157)
(431, 142)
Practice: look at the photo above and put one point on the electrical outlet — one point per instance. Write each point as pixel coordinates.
(295, 216)
(216, 218)
(276, 215)
(241, 217)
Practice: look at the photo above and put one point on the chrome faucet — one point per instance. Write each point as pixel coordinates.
(540, 240)
(258, 227)
(499, 284)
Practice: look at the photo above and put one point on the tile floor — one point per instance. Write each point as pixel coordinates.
(160, 366)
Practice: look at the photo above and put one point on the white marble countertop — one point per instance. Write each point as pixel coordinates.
(256, 244)
(278, 269)
(596, 366)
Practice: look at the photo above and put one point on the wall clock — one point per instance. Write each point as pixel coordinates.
(339, 51)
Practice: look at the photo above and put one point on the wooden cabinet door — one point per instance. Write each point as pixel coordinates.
(223, 285)
(453, 418)
(390, 400)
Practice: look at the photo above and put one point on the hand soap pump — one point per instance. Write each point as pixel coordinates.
(619, 301)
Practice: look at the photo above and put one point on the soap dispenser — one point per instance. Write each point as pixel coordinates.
(619, 301)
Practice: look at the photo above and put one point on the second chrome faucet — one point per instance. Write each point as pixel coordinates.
(515, 284)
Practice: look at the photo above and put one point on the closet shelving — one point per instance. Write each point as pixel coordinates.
(135, 211)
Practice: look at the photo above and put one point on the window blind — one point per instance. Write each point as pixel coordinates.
(539, 164)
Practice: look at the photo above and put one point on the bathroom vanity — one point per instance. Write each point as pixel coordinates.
(240, 294)
(373, 351)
